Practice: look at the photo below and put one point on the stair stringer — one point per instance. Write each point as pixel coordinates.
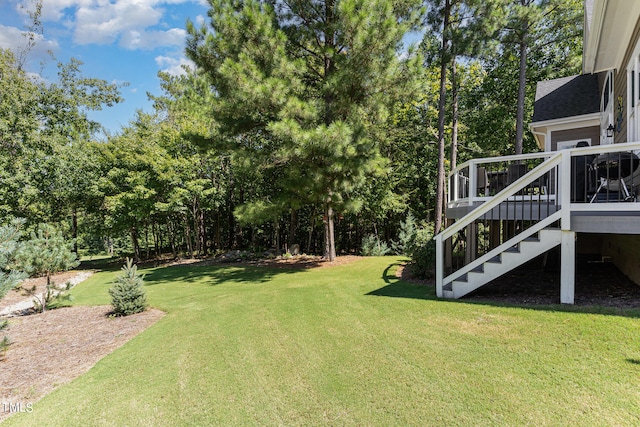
(548, 239)
(484, 262)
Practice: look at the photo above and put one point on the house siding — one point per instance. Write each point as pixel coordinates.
(620, 87)
(592, 132)
(623, 250)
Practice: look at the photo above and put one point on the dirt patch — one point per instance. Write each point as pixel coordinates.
(52, 348)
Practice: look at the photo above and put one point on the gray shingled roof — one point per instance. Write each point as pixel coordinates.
(566, 97)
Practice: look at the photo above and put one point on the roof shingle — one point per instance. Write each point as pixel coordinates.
(566, 97)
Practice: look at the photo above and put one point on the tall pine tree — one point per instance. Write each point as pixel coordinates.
(307, 82)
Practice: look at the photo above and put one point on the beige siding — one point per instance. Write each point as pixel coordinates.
(623, 250)
(620, 86)
(592, 132)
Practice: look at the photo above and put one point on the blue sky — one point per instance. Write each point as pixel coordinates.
(117, 40)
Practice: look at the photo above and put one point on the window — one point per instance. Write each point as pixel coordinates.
(633, 96)
(563, 145)
(606, 109)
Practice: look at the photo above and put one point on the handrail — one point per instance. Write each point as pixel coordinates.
(472, 165)
(509, 191)
(513, 157)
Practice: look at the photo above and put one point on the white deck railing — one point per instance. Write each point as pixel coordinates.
(556, 171)
(478, 180)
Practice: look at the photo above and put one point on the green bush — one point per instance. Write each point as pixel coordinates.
(417, 243)
(406, 236)
(372, 246)
(423, 253)
(128, 295)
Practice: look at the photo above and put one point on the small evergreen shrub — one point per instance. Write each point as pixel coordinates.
(406, 236)
(372, 246)
(127, 294)
(46, 253)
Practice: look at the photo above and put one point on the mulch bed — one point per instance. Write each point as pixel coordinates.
(52, 348)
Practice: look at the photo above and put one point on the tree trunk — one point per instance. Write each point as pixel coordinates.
(74, 230)
(146, 240)
(329, 236)
(202, 233)
(522, 86)
(135, 244)
(196, 227)
(454, 119)
(293, 227)
(440, 189)
(311, 228)
(187, 235)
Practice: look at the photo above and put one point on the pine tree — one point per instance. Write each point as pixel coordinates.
(309, 82)
(128, 295)
(46, 253)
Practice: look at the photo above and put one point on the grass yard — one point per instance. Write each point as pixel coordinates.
(349, 345)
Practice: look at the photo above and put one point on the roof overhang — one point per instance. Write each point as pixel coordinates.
(542, 130)
(608, 27)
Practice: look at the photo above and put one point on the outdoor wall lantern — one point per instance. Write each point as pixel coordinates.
(610, 130)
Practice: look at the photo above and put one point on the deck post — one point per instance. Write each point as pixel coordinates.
(471, 251)
(439, 265)
(568, 267)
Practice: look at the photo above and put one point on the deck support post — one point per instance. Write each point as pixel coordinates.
(568, 267)
(471, 251)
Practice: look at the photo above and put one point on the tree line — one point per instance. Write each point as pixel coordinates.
(305, 123)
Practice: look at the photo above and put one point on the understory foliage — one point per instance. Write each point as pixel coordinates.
(372, 246)
(416, 242)
(422, 251)
(303, 122)
(9, 277)
(127, 294)
(5, 342)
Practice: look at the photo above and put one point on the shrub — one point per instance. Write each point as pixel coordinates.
(423, 253)
(372, 246)
(406, 236)
(127, 294)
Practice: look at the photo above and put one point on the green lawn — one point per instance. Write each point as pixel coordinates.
(349, 345)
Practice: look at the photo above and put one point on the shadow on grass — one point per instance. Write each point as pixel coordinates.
(398, 288)
(106, 264)
(634, 361)
(213, 274)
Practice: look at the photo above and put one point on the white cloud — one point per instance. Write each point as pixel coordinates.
(104, 24)
(152, 39)
(130, 22)
(174, 66)
(15, 39)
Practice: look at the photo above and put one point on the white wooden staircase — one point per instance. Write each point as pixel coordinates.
(539, 237)
(500, 261)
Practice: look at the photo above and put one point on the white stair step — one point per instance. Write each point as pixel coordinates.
(502, 263)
